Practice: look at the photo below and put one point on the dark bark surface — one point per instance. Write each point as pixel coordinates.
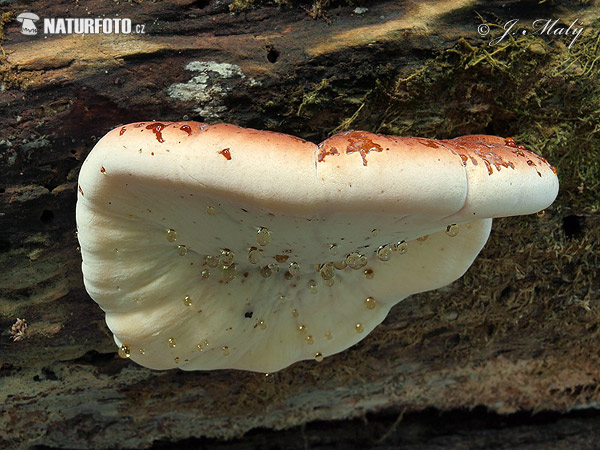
(519, 332)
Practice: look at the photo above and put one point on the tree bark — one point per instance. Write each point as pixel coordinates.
(519, 332)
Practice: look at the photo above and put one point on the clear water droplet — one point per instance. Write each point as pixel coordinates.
(266, 272)
(310, 340)
(370, 303)
(328, 335)
(401, 247)
(452, 230)
(356, 260)
(172, 342)
(225, 350)
(187, 300)
(295, 313)
(136, 300)
(210, 210)
(199, 347)
(274, 267)
(176, 359)
(327, 271)
(182, 250)
(330, 282)
(211, 261)
(319, 357)
(263, 236)
(294, 268)
(124, 351)
(226, 257)
(358, 328)
(171, 235)
(262, 325)
(229, 272)
(541, 213)
(333, 249)
(312, 285)
(340, 265)
(384, 253)
(301, 329)
(253, 255)
(205, 274)
(142, 351)
(374, 232)
(423, 238)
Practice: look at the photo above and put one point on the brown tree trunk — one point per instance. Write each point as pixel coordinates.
(519, 332)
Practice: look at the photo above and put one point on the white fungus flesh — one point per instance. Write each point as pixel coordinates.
(214, 247)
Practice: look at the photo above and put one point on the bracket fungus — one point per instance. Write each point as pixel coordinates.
(214, 246)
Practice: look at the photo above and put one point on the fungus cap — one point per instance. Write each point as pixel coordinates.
(213, 247)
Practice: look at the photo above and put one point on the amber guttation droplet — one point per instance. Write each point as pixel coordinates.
(225, 350)
(369, 274)
(157, 128)
(80, 190)
(187, 300)
(187, 129)
(423, 238)
(358, 328)
(301, 329)
(142, 351)
(103, 170)
(295, 313)
(122, 131)
(205, 274)
(319, 357)
(124, 351)
(541, 213)
(176, 359)
(172, 342)
(262, 325)
(328, 335)
(310, 340)
(281, 258)
(226, 153)
(182, 250)
(370, 303)
(210, 210)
